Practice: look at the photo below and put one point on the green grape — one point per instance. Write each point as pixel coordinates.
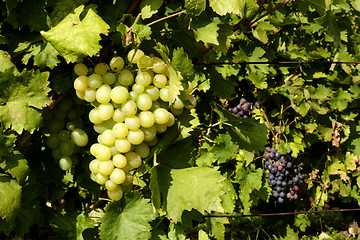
(136, 137)
(103, 153)
(65, 163)
(144, 102)
(67, 148)
(164, 94)
(109, 123)
(103, 93)
(94, 148)
(119, 94)
(125, 78)
(90, 95)
(78, 122)
(119, 160)
(94, 116)
(95, 81)
(106, 167)
(80, 69)
(109, 185)
(113, 150)
(101, 68)
(72, 114)
(133, 159)
(142, 150)
(115, 194)
(128, 181)
(53, 141)
(160, 128)
(138, 88)
(55, 125)
(160, 80)
(79, 137)
(60, 115)
(126, 169)
(161, 116)
(149, 133)
(100, 128)
(171, 120)
(153, 92)
(65, 105)
(93, 177)
(108, 137)
(109, 78)
(117, 64)
(118, 116)
(153, 141)
(105, 111)
(129, 108)
(159, 65)
(81, 83)
(101, 179)
(178, 104)
(134, 55)
(120, 130)
(192, 101)
(133, 96)
(143, 78)
(147, 119)
(80, 94)
(177, 112)
(64, 135)
(70, 126)
(55, 153)
(155, 105)
(123, 145)
(144, 62)
(132, 123)
(94, 166)
(118, 176)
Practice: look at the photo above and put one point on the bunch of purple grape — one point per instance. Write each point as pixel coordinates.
(243, 109)
(285, 176)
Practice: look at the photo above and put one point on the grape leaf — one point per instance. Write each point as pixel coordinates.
(127, 219)
(203, 235)
(5, 62)
(218, 228)
(47, 57)
(181, 62)
(150, 7)
(10, 195)
(250, 134)
(23, 99)
(329, 23)
(194, 188)
(16, 166)
(243, 8)
(195, 7)
(176, 232)
(61, 8)
(206, 30)
(74, 38)
(318, 5)
(340, 100)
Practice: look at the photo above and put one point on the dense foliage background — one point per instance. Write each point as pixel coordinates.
(298, 59)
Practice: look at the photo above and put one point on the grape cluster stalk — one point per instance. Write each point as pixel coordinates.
(243, 108)
(284, 176)
(131, 107)
(66, 136)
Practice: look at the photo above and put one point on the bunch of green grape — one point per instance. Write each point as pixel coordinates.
(64, 127)
(131, 106)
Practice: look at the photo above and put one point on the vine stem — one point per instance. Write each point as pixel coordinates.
(133, 6)
(271, 11)
(167, 17)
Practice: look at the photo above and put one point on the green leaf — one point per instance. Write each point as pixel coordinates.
(176, 232)
(47, 57)
(127, 219)
(195, 7)
(181, 62)
(23, 99)
(318, 5)
(150, 7)
(340, 100)
(321, 93)
(249, 134)
(74, 38)
(218, 228)
(16, 166)
(62, 8)
(329, 23)
(302, 222)
(243, 8)
(206, 30)
(202, 235)
(5, 62)
(10, 195)
(194, 188)
(83, 222)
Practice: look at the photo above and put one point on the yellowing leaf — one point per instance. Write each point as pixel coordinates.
(74, 38)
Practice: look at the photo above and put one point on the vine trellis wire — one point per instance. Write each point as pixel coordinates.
(279, 62)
